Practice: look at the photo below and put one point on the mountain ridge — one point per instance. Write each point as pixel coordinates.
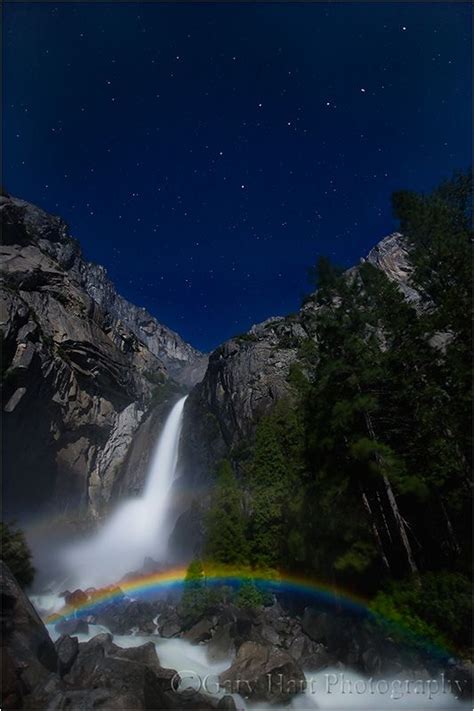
(81, 367)
(102, 370)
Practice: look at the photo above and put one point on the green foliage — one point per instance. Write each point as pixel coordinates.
(356, 558)
(272, 473)
(195, 599)
(373, 412)
(16, 554)
(222, 594)
(249, 596)
(251, 337)
(439, 609)
(298, 378)
(364, 476)
(438, 228)
(226, 523)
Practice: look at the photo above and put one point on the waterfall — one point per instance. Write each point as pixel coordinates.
(139, 527)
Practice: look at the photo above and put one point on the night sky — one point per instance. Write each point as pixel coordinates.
(207, 154)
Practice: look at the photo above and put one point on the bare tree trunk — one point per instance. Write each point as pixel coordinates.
(375, 530)
(400, 526)
(451, 535)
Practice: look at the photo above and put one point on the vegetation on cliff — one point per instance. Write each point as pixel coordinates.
(363, 477)
(16, 554)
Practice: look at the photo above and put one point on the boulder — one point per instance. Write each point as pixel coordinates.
(80, 699)
(192, 700)
(67, 649)
(27, 650)
(127, 674)
(124, 615)
(269, 634)
(72, 625)
(221, 646)
(263, 673)
(200, 632)
(301, 647)
(131, 677)
(12, 693)
(144, 654)
(76, 598)
(344, 637)
(169, 629)
(319, 658)
(90, 654)
(169, 623)
(243, 627)
(461, 676)
(227, 703)
(314, 624)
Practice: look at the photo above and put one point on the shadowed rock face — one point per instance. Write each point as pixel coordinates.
(81, 367)
(28, 654)
(244, 379)
(262, 673)
(36, 674)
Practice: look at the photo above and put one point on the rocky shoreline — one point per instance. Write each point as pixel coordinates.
(263, 653)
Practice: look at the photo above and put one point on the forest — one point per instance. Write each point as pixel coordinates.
(362, 477)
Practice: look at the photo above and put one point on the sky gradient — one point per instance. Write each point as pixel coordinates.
(207, 154)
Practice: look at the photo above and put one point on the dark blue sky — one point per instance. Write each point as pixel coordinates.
(207, 154)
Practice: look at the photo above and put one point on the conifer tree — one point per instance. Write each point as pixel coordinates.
(226, 524)
(195, 595)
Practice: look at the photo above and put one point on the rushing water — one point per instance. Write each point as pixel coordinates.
(139, 527)
(327, 689)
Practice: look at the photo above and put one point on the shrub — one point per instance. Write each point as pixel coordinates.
(439, 609)
(16, 554)
(249, 596)
(195, 595)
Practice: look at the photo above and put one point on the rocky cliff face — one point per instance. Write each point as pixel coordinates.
(247, 374)
(81, 367)
(88, 377)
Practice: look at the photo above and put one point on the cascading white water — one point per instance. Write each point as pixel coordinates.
(328, 689)
(139, 527)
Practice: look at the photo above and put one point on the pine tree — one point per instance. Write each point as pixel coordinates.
(273, 475)
(352, 461)
(388, 415)
(249, 596)
(195, 594)
(226, 525)
(16, 554)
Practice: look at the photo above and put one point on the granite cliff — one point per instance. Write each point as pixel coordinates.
(246, 376)
(88, 377)
(81, 368)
